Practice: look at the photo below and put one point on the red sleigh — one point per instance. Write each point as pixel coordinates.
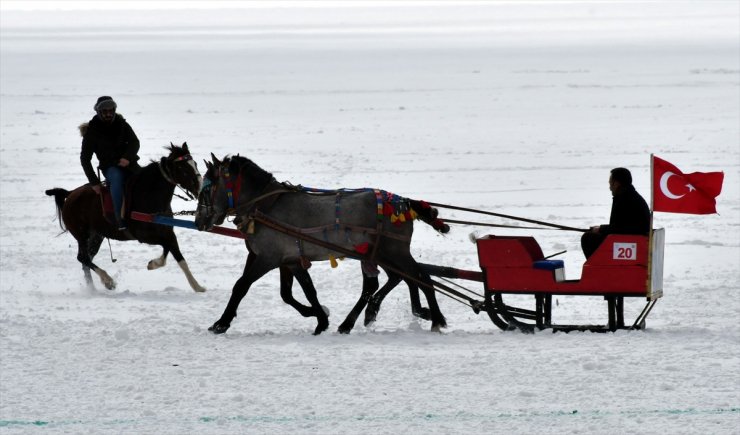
(622, 266)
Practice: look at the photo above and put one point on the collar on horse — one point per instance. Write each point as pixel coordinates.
(233, 188)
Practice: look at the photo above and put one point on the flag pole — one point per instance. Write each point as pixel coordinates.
(648, 285)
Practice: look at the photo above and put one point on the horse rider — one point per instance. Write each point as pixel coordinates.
(630, 213)
(115, 144)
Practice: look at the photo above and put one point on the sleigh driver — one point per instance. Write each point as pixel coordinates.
(116, 147)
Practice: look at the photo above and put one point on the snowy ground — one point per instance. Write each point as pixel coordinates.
(515, 108)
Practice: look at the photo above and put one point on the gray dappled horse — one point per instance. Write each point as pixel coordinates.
(80, 212)
(375, 225)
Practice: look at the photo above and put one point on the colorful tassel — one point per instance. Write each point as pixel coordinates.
(388, 209)
(362, 248)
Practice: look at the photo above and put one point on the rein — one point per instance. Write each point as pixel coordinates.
(233, 187)
(505, 216)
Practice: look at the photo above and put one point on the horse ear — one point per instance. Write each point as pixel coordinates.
(208, 164)
(215, 160)
(185, 147)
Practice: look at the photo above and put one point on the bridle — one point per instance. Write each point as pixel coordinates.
(163, 169)
(231, 185)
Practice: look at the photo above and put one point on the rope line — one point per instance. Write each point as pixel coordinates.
(506, 216)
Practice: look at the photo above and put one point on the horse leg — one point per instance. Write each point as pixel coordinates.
(88, 277)
(286, 292)
(253, 270)
(369, 285)
(93, 245)
(373, 303)
(416, 308)
(175, 249)
(304, 279)
(83, 256)
(409, 266)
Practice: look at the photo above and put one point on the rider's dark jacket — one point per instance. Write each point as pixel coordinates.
(630, 214)
(109, 143)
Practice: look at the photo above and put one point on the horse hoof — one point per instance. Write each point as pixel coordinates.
(423, 313)
(326, 310)
(199, 289)
(369, 321)
(371, 314)
(155, 264)
(344, 329)
(437, 329)
(218, 329)
(321, 328)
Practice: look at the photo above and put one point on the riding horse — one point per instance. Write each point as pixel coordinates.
(81, 213)
(287, 227)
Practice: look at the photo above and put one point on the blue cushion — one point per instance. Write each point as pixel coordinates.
(548, 264)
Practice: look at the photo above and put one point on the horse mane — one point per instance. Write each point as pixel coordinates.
(175, 150)
(259, 176)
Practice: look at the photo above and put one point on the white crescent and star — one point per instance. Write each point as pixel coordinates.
(666, 191)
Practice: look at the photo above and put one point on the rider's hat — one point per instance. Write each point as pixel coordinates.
(105, 102)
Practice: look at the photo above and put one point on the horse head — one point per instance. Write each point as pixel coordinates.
(228, 187)
(213, 199)
(180, 169)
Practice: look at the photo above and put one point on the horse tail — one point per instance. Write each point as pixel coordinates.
(60, 195)
(429, 214)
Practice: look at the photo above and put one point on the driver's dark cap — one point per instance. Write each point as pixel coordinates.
(105, 102)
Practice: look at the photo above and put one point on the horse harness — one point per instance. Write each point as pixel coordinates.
(252, 210)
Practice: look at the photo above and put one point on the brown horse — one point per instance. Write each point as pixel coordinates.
(151, 190)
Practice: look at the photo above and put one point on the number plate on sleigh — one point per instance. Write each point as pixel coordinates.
(625, 251)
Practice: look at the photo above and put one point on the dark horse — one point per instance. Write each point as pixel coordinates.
(369, 297)
(358, 221)
(80, 213)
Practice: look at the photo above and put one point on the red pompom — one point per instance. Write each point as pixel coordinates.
(388, 209)
(362, 248)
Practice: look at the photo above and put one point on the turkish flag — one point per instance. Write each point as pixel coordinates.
(676, 192)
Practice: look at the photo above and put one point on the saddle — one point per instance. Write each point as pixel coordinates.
(106, 200)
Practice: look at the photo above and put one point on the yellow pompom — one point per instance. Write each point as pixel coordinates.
(333, 261)
(413, 214)
(402, 217)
